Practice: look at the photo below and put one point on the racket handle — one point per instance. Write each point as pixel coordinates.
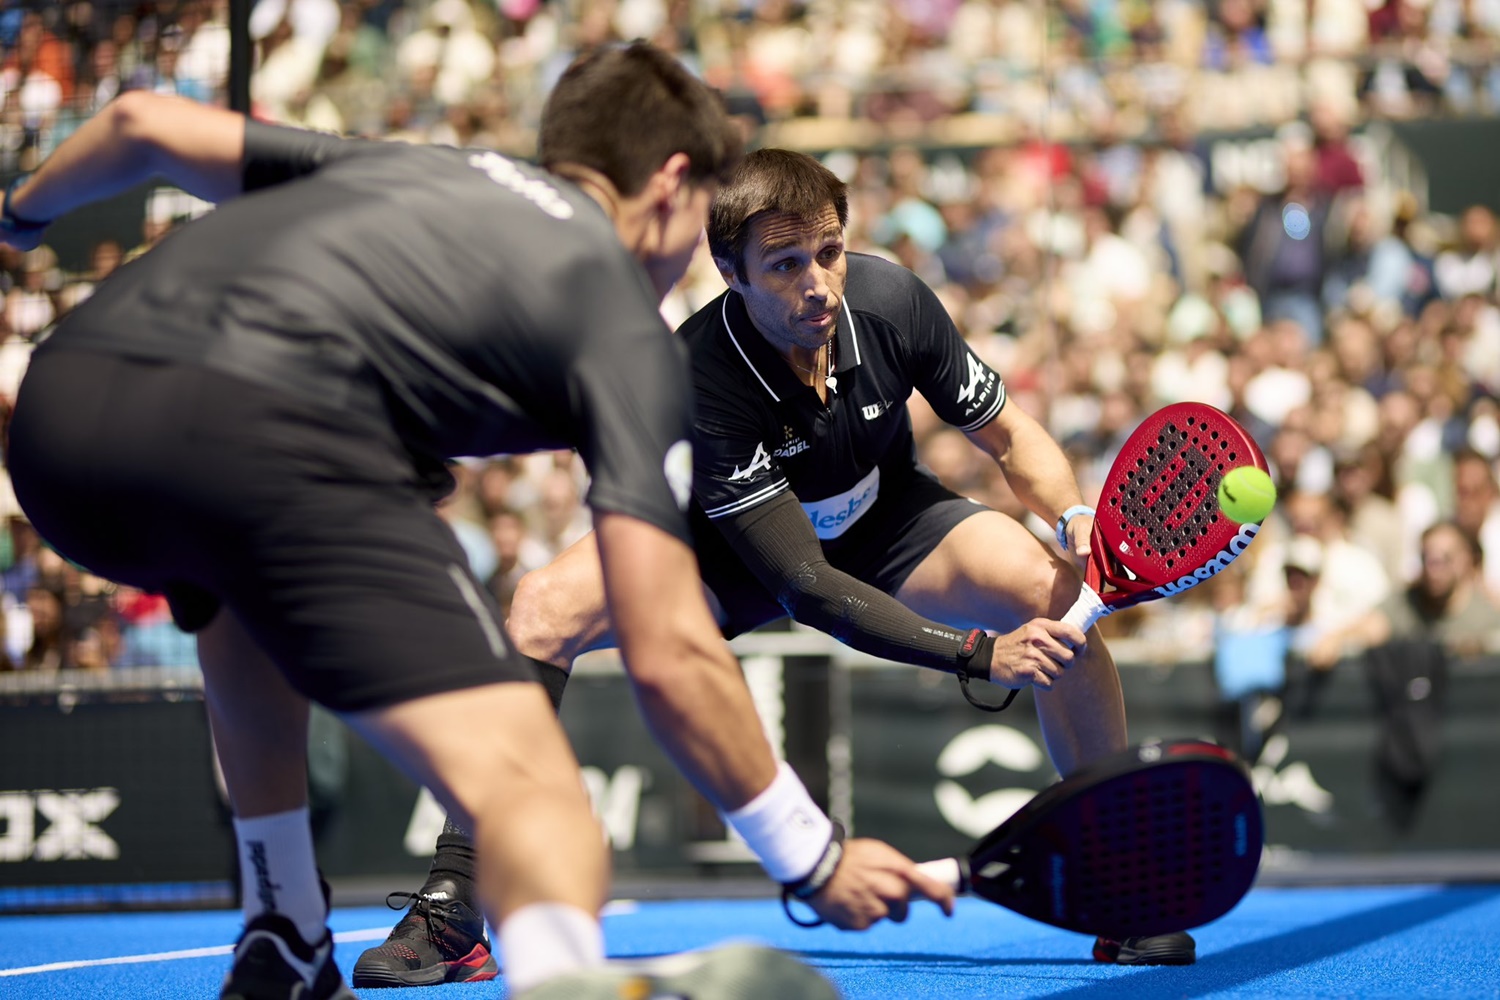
(948, 871)
(1087, 610)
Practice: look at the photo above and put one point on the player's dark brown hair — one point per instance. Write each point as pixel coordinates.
(625, 111)
(770, 182)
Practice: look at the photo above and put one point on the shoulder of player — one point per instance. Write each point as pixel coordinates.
(883, 296)
(881, 287)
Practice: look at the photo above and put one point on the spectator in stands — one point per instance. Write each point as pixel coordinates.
(1469, 267)
(1283, 245)
(1446, 602)
(517, 552)
(1476, 511)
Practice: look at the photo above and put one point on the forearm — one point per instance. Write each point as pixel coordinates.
(1034, 465)
(136, 137)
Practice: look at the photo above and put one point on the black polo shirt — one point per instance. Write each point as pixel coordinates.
(490, 303)
(758, 431)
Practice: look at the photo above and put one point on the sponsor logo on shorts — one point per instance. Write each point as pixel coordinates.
(1215, 565)
(832, 516)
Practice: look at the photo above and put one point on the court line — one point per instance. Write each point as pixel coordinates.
(618, 907)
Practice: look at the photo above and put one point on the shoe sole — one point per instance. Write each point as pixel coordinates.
(477, 966)
(1162, 954)
(734, 972)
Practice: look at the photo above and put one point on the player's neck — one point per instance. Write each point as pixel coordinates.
(634, 219)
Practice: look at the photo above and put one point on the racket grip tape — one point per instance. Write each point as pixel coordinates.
(952, 872)
(1087, 610)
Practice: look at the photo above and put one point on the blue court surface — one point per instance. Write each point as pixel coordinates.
(1409, 941)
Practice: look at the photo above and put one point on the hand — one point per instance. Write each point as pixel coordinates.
(1036, 653)
(1080, 531)
(1325, 653)
(875, 882)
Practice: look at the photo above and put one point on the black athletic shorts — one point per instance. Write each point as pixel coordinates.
(882, 549)
(313, 524)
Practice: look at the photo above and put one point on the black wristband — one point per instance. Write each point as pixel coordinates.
(8, 218)
(816, 880)
(974, 658)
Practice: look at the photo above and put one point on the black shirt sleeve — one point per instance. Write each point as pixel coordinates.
(632, 399)
(275, 154)
(961, 389)
(777, 544)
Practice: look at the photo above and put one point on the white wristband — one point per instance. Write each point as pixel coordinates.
(784, 827)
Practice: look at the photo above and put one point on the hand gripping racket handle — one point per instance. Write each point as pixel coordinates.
(1087, 610)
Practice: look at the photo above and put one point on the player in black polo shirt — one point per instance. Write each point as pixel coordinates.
(809, 500)
(252, 418)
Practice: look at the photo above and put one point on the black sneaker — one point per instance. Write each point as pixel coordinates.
(440, 940)
(1164, 949)
(734, 972)
(272, 962)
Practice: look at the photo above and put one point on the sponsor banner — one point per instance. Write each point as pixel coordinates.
(98, 793)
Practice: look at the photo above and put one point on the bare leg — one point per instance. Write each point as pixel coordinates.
(259, 723)
(497, 759)
(990, 572)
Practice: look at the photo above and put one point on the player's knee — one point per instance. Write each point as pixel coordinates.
(547, 618)
(1050, 587)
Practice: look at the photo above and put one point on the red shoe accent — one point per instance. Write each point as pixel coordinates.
(477, 959)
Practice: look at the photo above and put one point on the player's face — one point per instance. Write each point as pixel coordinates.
(794, 278)
(681, 232)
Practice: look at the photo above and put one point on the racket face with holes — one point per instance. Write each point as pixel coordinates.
(1159, 530)
(1158, 839)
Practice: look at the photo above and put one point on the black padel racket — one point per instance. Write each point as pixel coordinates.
(1158, 530)
(1154, 840)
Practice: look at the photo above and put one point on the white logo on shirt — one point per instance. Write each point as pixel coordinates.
(874, 410)
(976, 376)
(832, 516)
(759, 461)
(678, 468)
(505, 173)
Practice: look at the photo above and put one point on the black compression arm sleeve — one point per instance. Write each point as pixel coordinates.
(778, 545)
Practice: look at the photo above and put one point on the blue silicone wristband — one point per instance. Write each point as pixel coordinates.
(1068, 515)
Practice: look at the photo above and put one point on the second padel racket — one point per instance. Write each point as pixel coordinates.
(1157, 839)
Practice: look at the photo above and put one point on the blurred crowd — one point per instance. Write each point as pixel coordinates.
(1107, 259)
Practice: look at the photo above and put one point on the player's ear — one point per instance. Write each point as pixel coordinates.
(728, 272)
(669, 185)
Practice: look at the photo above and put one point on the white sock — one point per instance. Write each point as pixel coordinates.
(279, 872)
(543, 940)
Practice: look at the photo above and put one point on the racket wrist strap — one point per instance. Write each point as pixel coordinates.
(973, 661)
(974, 655)
(815, 881)
(1068, 515)
(784, 827)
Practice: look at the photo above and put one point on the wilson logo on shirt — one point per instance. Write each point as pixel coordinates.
(874, 410)
(760, 460)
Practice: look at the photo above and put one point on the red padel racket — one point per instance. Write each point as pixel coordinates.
(1157, 839)
(1158, 529)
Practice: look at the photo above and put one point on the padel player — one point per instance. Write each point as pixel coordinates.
(251, 419)
(809, 500)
